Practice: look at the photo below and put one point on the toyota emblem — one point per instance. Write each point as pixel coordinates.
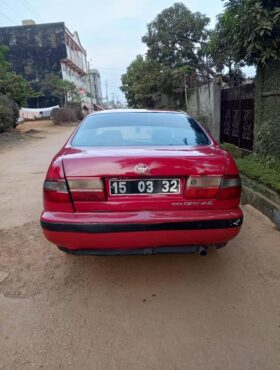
(142, 169)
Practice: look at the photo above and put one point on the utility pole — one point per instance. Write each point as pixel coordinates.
(185, 84)
(106, 87)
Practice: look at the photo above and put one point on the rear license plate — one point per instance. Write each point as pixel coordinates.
(149, 186)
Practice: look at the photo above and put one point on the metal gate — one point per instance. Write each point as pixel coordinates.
(237, 116)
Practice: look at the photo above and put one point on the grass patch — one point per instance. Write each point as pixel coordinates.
(263, 170)
(233, 150)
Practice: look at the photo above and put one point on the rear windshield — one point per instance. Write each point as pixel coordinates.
(139, 129)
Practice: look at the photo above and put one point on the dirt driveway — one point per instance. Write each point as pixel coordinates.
(159, 312)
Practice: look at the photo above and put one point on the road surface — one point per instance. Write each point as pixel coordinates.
(160, 312)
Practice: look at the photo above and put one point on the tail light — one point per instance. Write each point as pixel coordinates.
(56, 191)
(211, 187)
(56, 194)
(203, 187)
(87, 189)
(230, 188)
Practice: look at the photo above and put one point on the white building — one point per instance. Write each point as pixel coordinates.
(74, 67)
(95, 86)
(37, 50)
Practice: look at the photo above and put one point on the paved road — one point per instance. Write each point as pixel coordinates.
(159, 312)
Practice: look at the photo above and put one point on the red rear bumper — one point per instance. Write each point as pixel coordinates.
(145, 229)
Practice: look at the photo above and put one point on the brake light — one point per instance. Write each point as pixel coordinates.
(87, 189)
(230, 188)
(203, 187)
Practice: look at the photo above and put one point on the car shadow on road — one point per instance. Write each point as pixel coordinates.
(148, 273)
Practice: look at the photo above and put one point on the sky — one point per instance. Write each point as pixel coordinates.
(110, 30)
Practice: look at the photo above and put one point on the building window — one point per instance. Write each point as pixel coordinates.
(13, 40)
(28, 69)
(53, 40)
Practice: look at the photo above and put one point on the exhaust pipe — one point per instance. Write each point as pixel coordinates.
(202, 251)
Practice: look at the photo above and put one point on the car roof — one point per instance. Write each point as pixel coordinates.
(127, 110)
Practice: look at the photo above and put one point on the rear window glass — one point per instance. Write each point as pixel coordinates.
(139, 129)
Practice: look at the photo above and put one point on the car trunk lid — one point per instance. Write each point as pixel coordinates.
(99, 166)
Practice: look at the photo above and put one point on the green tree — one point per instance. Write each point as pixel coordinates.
(176, 36)
(141, 82)
(173, 82)
(250, 30)
(64, 90)
(234, 77)
(14, 86)
(175, 41)
(146, 82)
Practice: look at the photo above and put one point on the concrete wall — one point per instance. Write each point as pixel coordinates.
(267, 110)
(262, 198)
(204, 104)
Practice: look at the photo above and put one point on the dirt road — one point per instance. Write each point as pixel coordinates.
(159, 312)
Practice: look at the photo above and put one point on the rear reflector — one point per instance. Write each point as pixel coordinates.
(87, 189)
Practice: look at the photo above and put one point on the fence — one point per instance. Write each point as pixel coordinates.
(237, 116)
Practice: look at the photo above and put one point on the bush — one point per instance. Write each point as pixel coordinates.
(233, 150)
(63, 115)
(77, 108)
(203, 119)
(9, 113)
(256, 168)
(265, 170)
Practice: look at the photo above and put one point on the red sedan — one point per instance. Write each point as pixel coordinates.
(141, 182)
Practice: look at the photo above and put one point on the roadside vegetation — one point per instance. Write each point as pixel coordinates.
(182, 50)
(69, 98)
(9, 113)
(264, 170)
(14, 91)
(63, 115)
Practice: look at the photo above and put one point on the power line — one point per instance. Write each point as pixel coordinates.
(9, 19)
(114, 69)
(12, 9)
(114, 86)
(30, 8)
